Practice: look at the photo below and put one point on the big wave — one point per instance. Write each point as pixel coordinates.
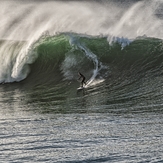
(40, 40)
(62, 56)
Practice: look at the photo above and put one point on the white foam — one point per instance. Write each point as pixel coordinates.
(122, 41)
(94, 82)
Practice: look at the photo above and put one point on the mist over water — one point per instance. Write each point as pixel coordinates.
(28, 20)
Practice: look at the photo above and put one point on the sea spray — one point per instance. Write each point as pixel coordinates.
(29, 20)
(141, 18)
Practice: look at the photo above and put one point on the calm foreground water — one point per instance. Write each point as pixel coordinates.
(35, 132)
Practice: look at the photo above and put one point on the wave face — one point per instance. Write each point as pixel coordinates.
(43, 44)
(62, 56)
(121, 74)
(66, 54)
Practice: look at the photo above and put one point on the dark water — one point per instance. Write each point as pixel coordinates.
(99, 126)
(117, 117)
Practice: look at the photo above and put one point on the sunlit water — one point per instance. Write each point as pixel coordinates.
(40, 126)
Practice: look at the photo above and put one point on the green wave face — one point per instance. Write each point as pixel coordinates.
(52, 58)
(69, 53)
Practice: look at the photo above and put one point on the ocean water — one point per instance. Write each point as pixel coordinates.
(117, 45)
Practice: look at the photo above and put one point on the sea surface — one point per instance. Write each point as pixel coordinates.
(117, 46)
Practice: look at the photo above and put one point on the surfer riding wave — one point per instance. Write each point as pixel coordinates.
(81, 76)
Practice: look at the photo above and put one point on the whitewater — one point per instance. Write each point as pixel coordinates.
(117, 45)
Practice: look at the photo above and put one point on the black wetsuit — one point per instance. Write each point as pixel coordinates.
(83, 79)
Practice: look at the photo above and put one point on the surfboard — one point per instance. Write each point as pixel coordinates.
(80, 88)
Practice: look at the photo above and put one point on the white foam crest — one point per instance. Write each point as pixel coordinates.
(8, 54)
(14, 59)
(122, 41)
(20, 68)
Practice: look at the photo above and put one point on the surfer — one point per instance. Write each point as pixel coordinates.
(83, 78)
